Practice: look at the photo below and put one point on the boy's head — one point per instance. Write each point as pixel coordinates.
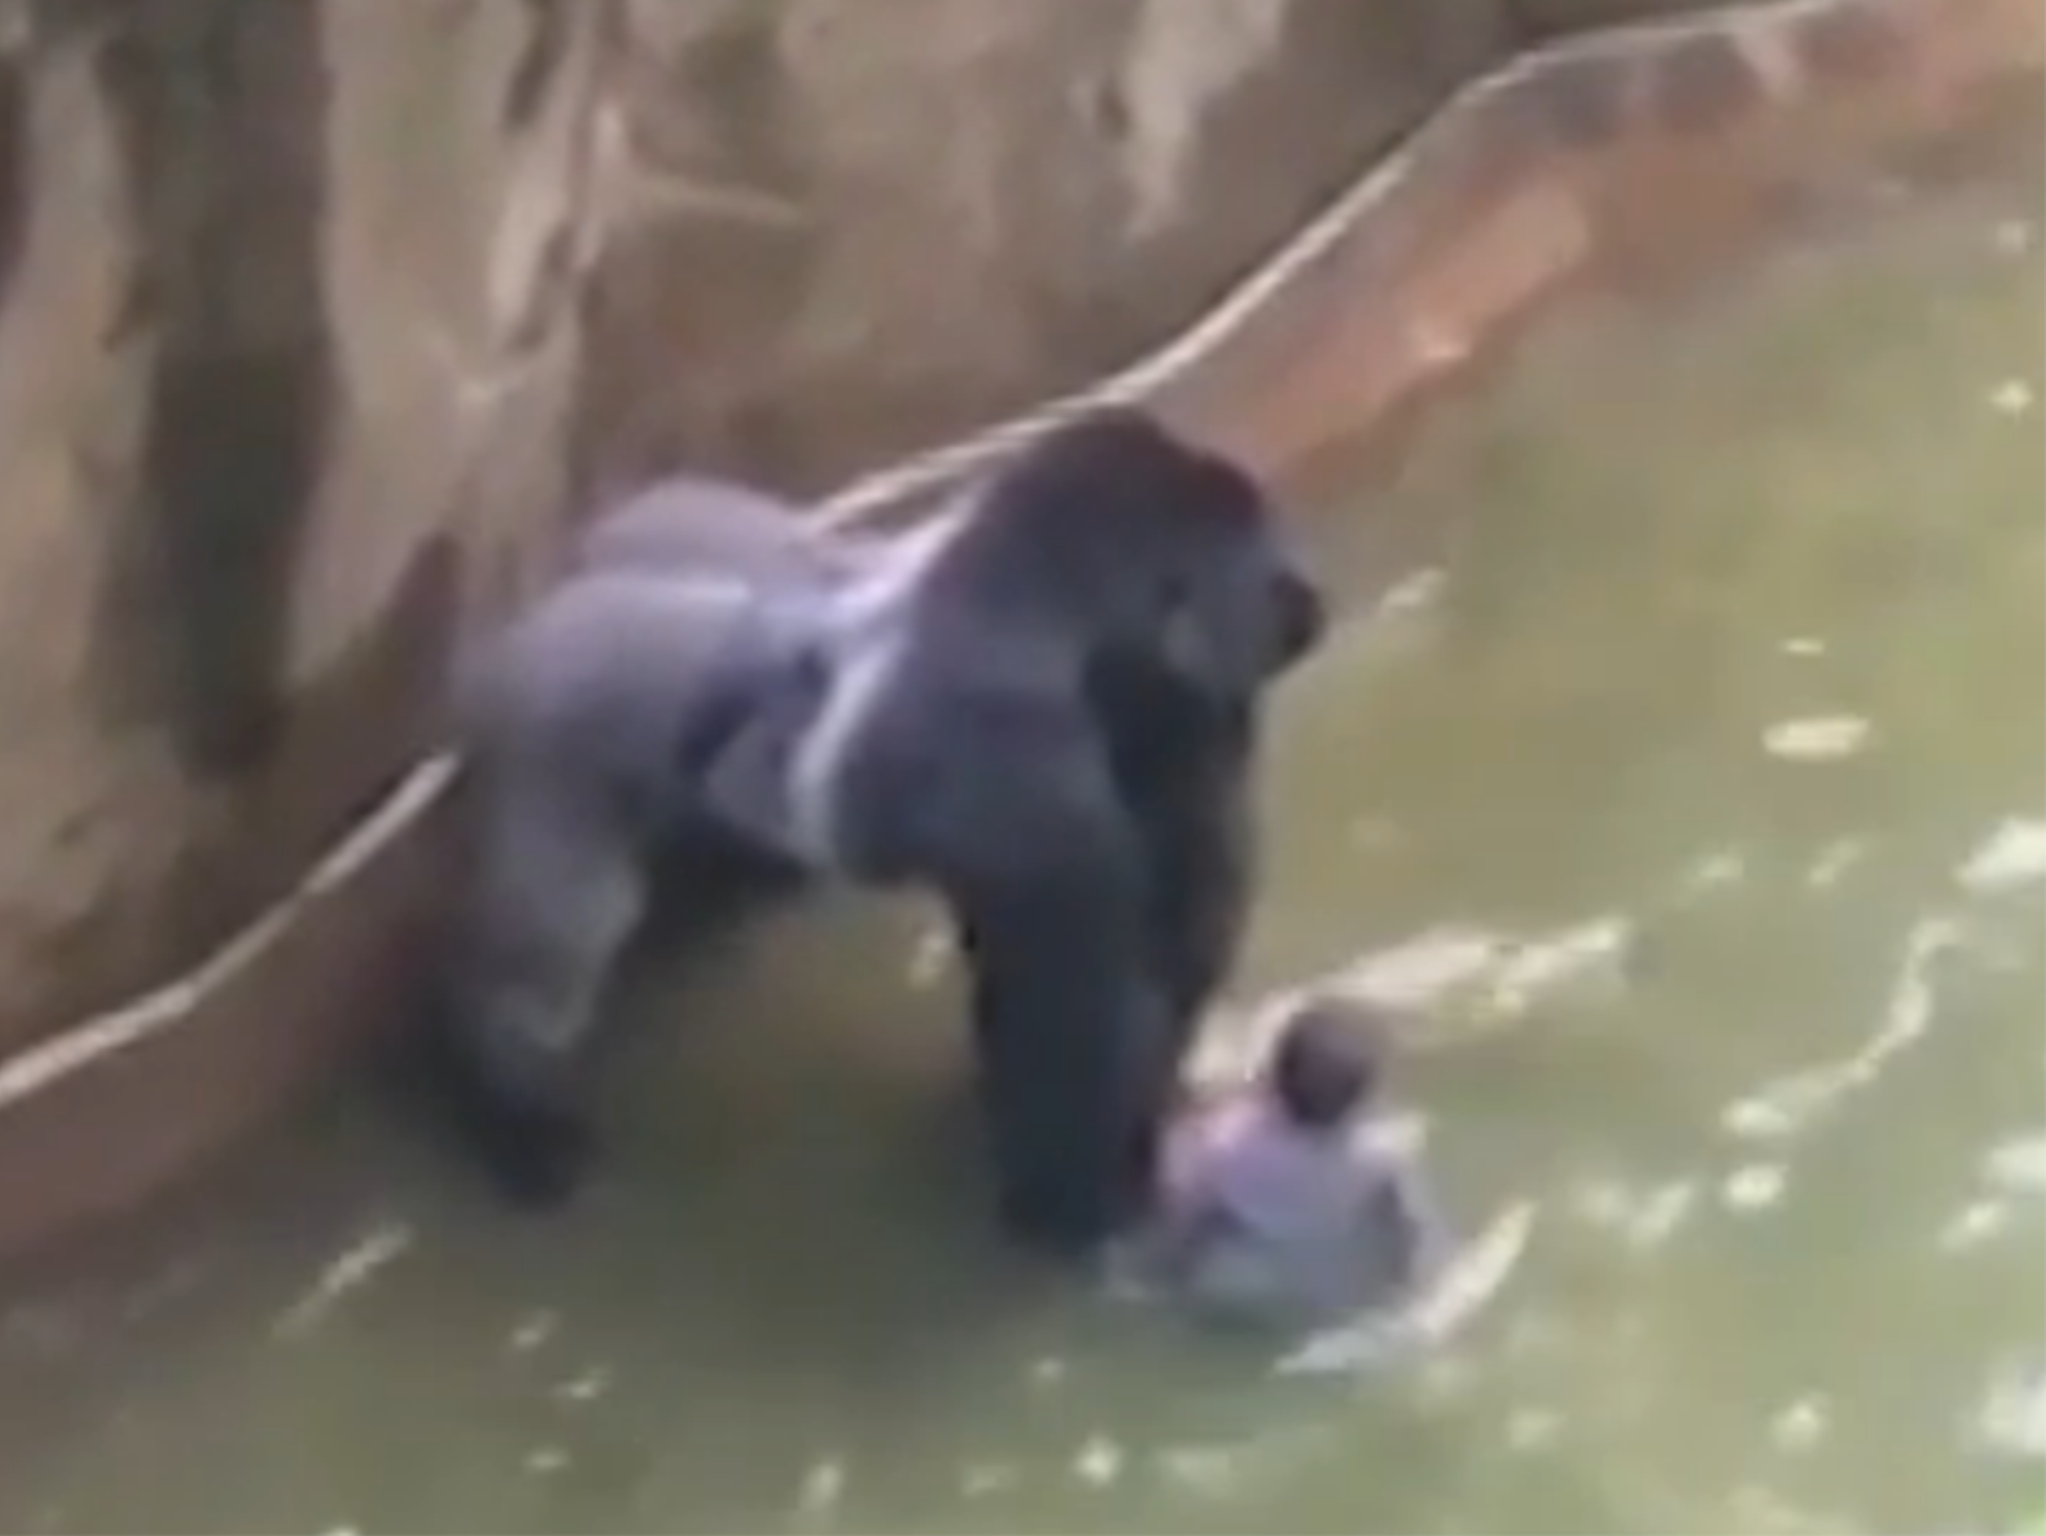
(1324, 1065)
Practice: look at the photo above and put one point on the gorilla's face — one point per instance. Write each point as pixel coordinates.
(1242, 610)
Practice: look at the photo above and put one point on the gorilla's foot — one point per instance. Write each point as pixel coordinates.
(1056, 1226)
(538, 1159)
(534, 1138)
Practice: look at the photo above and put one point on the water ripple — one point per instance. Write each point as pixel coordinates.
(1817, 738)
(1792, 1101)
(2011, 856)
(348, 1272)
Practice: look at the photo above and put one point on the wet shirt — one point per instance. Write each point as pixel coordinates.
(1267, 1221)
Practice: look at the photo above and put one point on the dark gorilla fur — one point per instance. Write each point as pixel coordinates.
(1044, 708)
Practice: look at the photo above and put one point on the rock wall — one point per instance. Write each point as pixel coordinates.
(1535, 21)
(846, 229)
(287, 338)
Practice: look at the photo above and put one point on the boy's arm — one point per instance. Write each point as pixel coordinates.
(1190, 1212)
(1407, 1222)
(1188, 1222)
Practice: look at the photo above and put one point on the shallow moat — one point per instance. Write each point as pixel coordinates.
(1688, 787)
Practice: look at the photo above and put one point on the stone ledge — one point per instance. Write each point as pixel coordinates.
(1666, 140)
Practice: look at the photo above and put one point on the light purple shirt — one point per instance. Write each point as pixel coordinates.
(1270, 1221)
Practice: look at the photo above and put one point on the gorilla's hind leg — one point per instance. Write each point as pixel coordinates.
(521, 1102)
(556, 902)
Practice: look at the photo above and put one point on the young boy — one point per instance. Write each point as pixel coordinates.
(1279, 1206)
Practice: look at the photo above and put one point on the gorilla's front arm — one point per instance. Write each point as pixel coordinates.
(1184, 764)
(1046, 877)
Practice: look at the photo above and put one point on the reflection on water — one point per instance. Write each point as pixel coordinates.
(1693, 803)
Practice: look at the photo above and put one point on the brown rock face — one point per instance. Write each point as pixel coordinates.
(1536, 19)
(847, 229)
(286, 344)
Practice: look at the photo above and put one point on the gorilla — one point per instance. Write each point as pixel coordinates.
(1041, 706)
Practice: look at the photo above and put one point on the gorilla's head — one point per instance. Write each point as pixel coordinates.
(1180, 556)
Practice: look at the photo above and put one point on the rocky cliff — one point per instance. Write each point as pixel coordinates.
(854, 227)
(288, 330)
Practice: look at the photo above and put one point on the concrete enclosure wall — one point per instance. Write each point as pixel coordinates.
(314, 313)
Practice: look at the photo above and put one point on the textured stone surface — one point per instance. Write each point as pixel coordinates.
(1536, 19)
(286, 346)
(849, 229)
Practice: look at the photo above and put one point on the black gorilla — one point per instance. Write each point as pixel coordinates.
(1043, 708)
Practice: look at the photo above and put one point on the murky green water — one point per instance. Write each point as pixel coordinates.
(1696, 800)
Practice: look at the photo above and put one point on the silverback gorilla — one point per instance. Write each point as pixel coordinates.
(1042, 707)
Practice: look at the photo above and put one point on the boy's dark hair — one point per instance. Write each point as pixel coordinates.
(1325, 1063)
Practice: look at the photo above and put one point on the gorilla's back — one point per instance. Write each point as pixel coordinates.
(593, 679)
(692, 524)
